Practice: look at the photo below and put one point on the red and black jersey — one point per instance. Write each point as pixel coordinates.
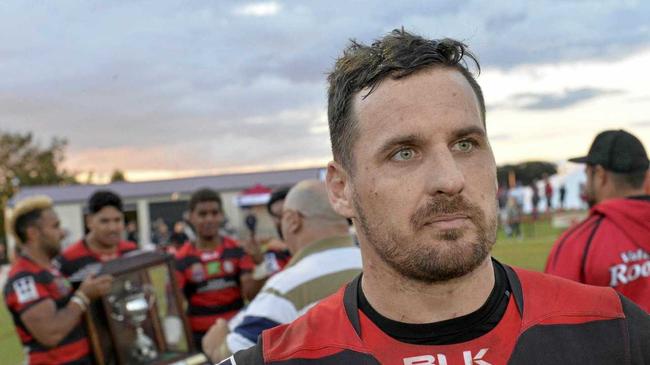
(29, 283)
(210, 281)
(78, 257)
(609, 248)
(548, 320)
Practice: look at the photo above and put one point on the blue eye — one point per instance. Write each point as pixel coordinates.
(404, 154)
(464, 146)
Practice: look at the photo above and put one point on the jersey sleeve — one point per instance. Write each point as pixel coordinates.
(181, 267)
(25, 290)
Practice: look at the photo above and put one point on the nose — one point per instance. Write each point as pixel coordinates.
(444, 174)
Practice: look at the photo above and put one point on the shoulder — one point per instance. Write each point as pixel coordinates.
(547, 298)
(231, 248)
(570, 247)
(569, 317)
(74, 251)
(26, 284)
(125, 246)
(581, 231)
(186, 249)
(324, 272)
(321, 332)
(185, 256)
(24, 272)
(229, 242)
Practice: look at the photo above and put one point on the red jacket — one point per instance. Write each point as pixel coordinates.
(548, 321)
(610, 248)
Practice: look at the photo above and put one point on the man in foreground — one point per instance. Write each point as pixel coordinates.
(45, 310)
(414, 170)
(611, 247)
(105, 222)
(324, 259)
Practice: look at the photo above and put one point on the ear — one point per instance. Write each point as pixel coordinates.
(339, 189)
(646, 184)
(32, 233)
(600, 176)
(292, 221)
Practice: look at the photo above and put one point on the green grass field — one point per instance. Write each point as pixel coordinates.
(529, 252)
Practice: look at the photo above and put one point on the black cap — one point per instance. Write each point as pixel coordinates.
(617, 151)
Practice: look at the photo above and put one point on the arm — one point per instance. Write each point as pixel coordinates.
(50, 326)
(269, 309)
(214, 341)
(249, 286)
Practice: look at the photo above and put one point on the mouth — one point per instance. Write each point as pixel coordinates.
(447, 221)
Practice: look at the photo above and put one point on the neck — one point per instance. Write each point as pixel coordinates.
(96, 246)
(37, 255)
(409, 301)
(208, 243)
(620, 193)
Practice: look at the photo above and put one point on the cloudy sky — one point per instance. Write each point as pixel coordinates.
(175, 88)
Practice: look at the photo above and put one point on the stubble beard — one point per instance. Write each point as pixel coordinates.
(443, 256)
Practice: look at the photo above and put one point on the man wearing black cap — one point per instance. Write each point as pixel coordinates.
(612, 246)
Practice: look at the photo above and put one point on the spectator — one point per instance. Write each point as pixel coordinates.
(611, 247)
(324, 259)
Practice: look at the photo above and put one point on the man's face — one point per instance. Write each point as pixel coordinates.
(206, 219)
(423, 189)
(276, 215)
(107, 226)
(50, 233)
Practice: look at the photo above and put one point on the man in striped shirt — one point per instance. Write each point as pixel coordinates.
(324, 259)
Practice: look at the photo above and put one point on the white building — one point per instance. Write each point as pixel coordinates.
(166, 199)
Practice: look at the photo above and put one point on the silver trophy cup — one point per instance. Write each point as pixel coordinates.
(131, 306)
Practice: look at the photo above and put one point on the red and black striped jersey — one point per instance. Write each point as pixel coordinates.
(78, 257)
(211, 281)
(548, 320)
(29, 283)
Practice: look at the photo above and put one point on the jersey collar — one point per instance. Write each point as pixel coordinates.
(351, 297)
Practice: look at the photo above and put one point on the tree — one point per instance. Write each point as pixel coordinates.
(118, 176)
(526, 172)
(23, 162)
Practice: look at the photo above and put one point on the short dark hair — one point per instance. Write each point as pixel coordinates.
(278, 194)
(29, 219)
(104, 198)
(631, 180)
(396, 55)
(205, 195)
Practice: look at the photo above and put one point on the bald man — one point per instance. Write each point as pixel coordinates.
(324, 259)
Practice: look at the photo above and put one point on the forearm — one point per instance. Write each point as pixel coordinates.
(250, 287)
(64, 321)
(50, 326)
